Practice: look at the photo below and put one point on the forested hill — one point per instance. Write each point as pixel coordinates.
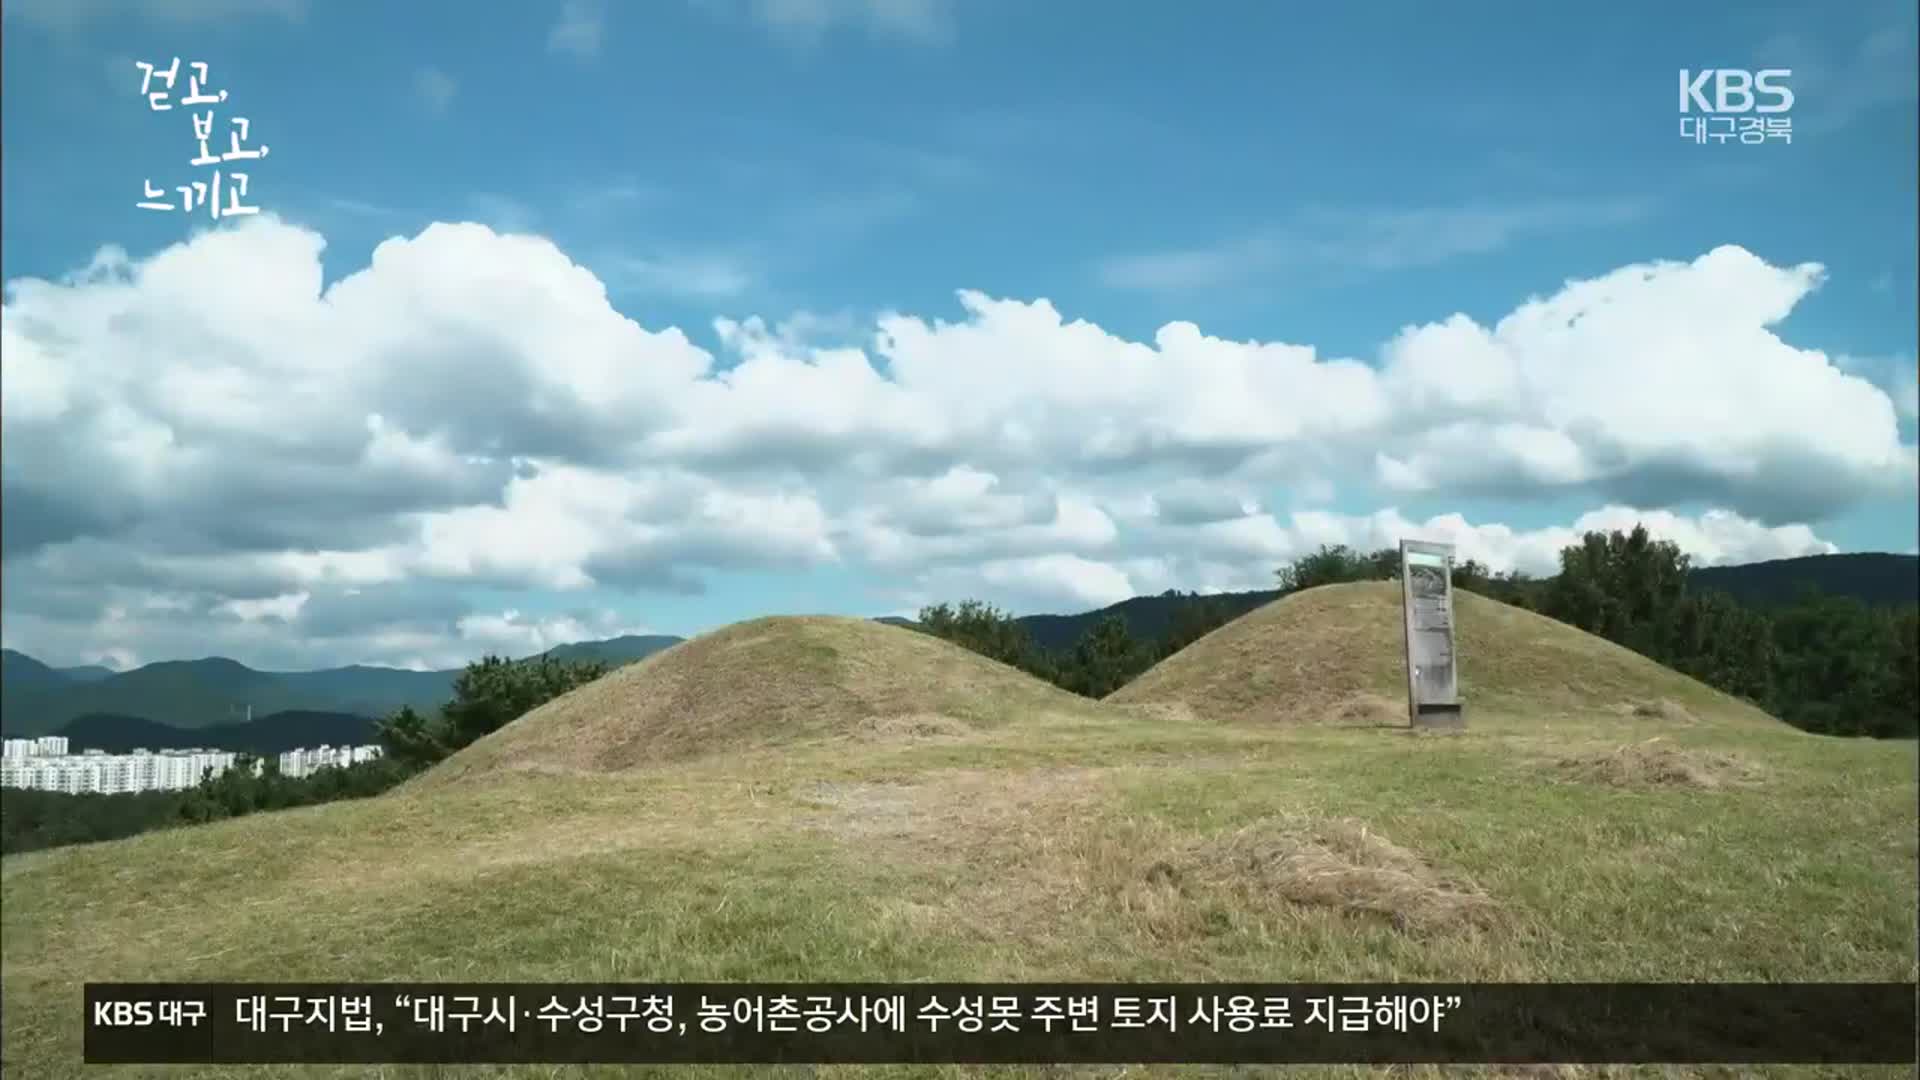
(1879, 580)
(1147, 617)
(274, 734)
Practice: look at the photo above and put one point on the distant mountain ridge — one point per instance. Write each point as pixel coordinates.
(273, 734)
(191, 695)
(1876, 579)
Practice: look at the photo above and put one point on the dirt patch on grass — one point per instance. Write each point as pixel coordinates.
(1658, 764)
(1045, 847)
(1341, 864)
(973, 814)
(1660, 709)
(1367, 710)
(1172, 712)
(913, 726)
(861, 809)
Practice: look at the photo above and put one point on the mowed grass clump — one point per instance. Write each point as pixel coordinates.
(768, 682)
(1334, 654)
(943, 818)
(1658, 763)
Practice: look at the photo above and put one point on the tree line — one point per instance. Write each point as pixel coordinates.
(1826, 664)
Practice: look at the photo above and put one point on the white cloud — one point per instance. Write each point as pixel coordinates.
(1710, 538)
(470, 410)
(1905, 388)
(578, 32)
(1068, 579)
(1896, 374)
(128, 632)
(805, 22)
(435, 88)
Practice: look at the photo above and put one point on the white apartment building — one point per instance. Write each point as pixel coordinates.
(44, 746)
(305, 762)
(94, 771)
(112, 774)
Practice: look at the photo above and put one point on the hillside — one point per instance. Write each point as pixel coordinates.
(189, 694)
(614, 651)
(19, 669)
(272, 734)
(1316, 655)
(1879, 580)
(767, 683)
(1147, 617)
(830, 799)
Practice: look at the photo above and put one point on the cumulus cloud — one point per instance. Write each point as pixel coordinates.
(470, 410)
(1905, 389)
(410, 627)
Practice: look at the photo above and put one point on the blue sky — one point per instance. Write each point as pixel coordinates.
(1268, 173)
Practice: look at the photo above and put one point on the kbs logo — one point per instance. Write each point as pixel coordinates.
(122, 1014)
(1732, 90)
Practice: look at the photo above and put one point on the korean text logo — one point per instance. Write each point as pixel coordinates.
(1729, 104)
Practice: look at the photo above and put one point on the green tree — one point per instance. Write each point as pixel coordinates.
(489, 694)
(1105, 658)
(1825, 664)
(1335, 564)
(1472, 575)
(1844, 668)
(986, 630)
(411, 739)
(494, 692)
(1625, 587)
(1724, 644)
(1194, 618)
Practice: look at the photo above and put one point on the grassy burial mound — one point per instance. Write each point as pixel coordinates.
(764, 803)
(767, 683)
(1335, 654)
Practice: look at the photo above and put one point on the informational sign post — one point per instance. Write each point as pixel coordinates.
(1433, 678)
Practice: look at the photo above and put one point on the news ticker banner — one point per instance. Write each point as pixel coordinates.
(1000, 1023)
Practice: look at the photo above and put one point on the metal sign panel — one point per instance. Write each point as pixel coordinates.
(1426, 593)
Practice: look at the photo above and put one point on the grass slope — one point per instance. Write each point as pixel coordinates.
(764, 683)
(1336, 653)
(757, 820)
